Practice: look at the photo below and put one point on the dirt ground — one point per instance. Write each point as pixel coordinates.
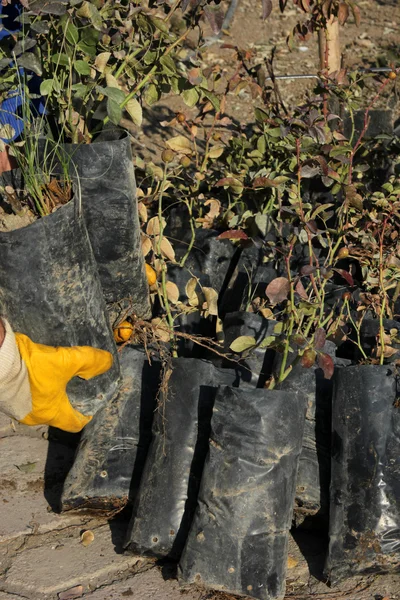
(41, 556)
(375, 43)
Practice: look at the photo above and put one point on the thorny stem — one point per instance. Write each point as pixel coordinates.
(382, 287)
(365, 127)
(193, 231)
(163, 265)
(283, 372)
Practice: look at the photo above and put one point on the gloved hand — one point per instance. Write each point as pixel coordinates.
(33, 380)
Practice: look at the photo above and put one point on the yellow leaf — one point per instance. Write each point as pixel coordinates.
(111, 81)
(161, 329)
(167, 250)
(87, 538)
(101, 61)
(172, 292)
(266, 313)
(292, 562)
(190, 290)
(142, 210)
(134, 109)
(242, 343)
(146, 245)
(153, 226)
(180, 144)
(216, 151)
(211, 297)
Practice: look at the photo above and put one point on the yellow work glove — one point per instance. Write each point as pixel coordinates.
(43, 400)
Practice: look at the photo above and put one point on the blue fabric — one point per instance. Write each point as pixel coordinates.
(11, 108)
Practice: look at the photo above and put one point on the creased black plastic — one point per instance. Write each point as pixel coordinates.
(256, 368)
(167, 495)
(248, 279)
(209, 255)
(107, 179)
(192, 323)
(113, 447)
(239, 537)
(313, 477)
(50, 290)
(365, 487)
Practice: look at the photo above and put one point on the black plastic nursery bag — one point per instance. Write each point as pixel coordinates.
(365, 487)
(239, 537)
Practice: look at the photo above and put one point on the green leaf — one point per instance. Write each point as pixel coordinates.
(274, 132)
(46, 87)
(268, 341)
(80, 90)
(151, 94)
(72, 34)
(89, 11)
(114, 111)
(159, 24)
(190, 97)
(180, 144)
(168, 64)
(242, 343)
(114, 94)
(60, 59)
(30, 62)
(212, 98)
(261, 144)
(81, 67)
(27, 467)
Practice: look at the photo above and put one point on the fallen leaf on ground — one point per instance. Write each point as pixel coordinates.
(87, 538)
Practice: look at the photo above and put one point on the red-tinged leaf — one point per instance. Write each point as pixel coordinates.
(319, 338)
(194, 76)
(300, 290)
(233, 234)
(312, 226)
(325, 362)
(266, 8)
(307, 270)
(346, 275)
(263, 182)
(343, 13)
(308, 358)
(333, 175)
(278, 290)
(356, 14)
(229, 181)
(299, 340)
(323, 163)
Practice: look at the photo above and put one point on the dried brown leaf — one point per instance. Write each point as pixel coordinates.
(278, 290)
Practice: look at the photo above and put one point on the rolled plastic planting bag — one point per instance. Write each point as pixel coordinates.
(314, 474)
(112, 450)
(107, 178)
(239, 537)
(167, 495)
(365, 488)
(50, 291)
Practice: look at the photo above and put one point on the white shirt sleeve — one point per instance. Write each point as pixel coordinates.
(15, 393)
